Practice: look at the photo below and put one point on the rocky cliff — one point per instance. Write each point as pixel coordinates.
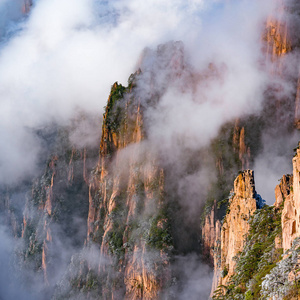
(128, 187)
(260, 258)
(243, 202)
(297, 107)
(241, 207)
(56, 211)
(120, 226)
(278, 40)
(290, 193)
(128, 220)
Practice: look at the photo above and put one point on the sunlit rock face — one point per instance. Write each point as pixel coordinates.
(128, 186)
(281, 39)
(238, 235)
(236, 226)
(125, 204)
(283, 189)
(128, 220)
(277, 38)
(278, 41)
(291, 207)
(297, 106)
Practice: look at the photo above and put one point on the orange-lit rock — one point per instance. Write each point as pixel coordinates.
(297, 106)
(290, 219)
(283, 189)
(236, 226)
(240, 147)
(277, 38)
(127, 179)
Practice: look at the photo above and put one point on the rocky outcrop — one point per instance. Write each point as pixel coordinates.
(283, 190)
(277, 38)
(291, 210)
(240, 147)
(128, 185)
(211, 233)
(229, 159)
(211, 239)
(282, 38)
(56, 207)
(297, 106)
(235, 227)
(248, 240)
(242, 204)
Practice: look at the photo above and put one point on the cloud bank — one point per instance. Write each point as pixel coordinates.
(63, 57)
(60, 60)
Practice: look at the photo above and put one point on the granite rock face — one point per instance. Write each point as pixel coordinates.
(291, 198)
(234, 230)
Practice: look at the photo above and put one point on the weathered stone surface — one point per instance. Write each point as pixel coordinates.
(230, 237)
(216, 257)
(290, 220)
(297, 106)
(283, 189)
(235, 228)
(128, 185)
(210, 233)
(240, 147)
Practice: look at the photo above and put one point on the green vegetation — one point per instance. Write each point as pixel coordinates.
(258, 257)
(114, 114)
(119, 119)
(159, 236)
(41, 184)
(295, 149)
(283, 281)
(116, 234)
(224, 272)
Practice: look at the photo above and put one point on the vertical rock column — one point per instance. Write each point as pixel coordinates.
(290, 220)
(236, 226)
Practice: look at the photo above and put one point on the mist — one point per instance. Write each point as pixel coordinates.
(63, 58)
(202, 59)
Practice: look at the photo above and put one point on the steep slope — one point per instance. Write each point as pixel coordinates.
(256, 258)
(243, 203)
(135, 223)
(54, 222)
(290, 213)
(241, 207)
(127, 220)
(268, 262)
(131, 214)
(279, 40)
